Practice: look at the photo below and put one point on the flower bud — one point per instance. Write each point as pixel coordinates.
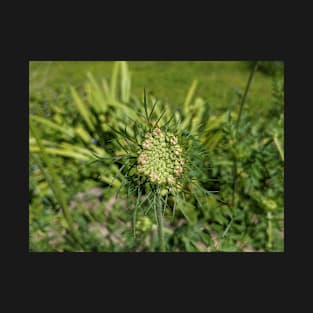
(160, 158)
(146, 144)
(173, 140)
(157, 131)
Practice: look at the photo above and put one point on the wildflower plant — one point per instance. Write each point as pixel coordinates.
(159, 162)
(155, 156)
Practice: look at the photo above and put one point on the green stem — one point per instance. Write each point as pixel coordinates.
(243, 99)
(278, 146)
(160, 223)
(234, 182)
(160, 229)
(269, 230)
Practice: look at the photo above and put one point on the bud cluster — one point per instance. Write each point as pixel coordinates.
(160, 158)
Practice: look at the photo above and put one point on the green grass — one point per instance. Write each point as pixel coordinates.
(217, 80)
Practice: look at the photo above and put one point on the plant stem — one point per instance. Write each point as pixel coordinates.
(160, 223)
(243, 99)
(160, 229)
(278, 146)
(269, 230)
(234, 182)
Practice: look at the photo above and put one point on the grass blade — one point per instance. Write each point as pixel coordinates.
(67, 131)
(189, 96)
(99, 104)
(114, 80)
(82, 108)
(125, 82)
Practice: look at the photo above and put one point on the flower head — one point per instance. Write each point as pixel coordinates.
(161, 157)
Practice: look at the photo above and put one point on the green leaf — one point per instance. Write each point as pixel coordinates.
(99, 101)
(215, 139)
(215, 122)
(106, 89)
(114, 80)
(67, 131)
(182, 206)
(83, 109)
(125, 82)
(83, 134)
(189, 96)
(62, 152)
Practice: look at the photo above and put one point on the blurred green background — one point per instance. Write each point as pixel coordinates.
(71, 103)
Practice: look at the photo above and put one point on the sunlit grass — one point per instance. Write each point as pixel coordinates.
(168, 79)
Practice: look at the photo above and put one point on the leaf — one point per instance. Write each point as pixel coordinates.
(106, 89)
(110, 180)
(125, 82)
(83, 134)
(186, 213)
(215, 122)
(63, 152)
(67, 131)
(114, 80)
(82, 108)
(215, 139)
(189, 96)
(99, 102)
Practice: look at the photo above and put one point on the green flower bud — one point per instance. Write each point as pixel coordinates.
(160, 158)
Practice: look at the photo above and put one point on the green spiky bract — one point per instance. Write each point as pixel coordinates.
(159, 162)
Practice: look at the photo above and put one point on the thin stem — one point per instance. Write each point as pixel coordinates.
(234, 182)
(228, 226)
(278, 146)
(243, 99)
(158, 207)
(135, 212)
(269, 230)
(160, 228)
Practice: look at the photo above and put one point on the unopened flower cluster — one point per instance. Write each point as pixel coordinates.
(160, 158)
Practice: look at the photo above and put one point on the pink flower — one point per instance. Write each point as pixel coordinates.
(143, 159)
(157, 131)
(146, 144)
(173, 140)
